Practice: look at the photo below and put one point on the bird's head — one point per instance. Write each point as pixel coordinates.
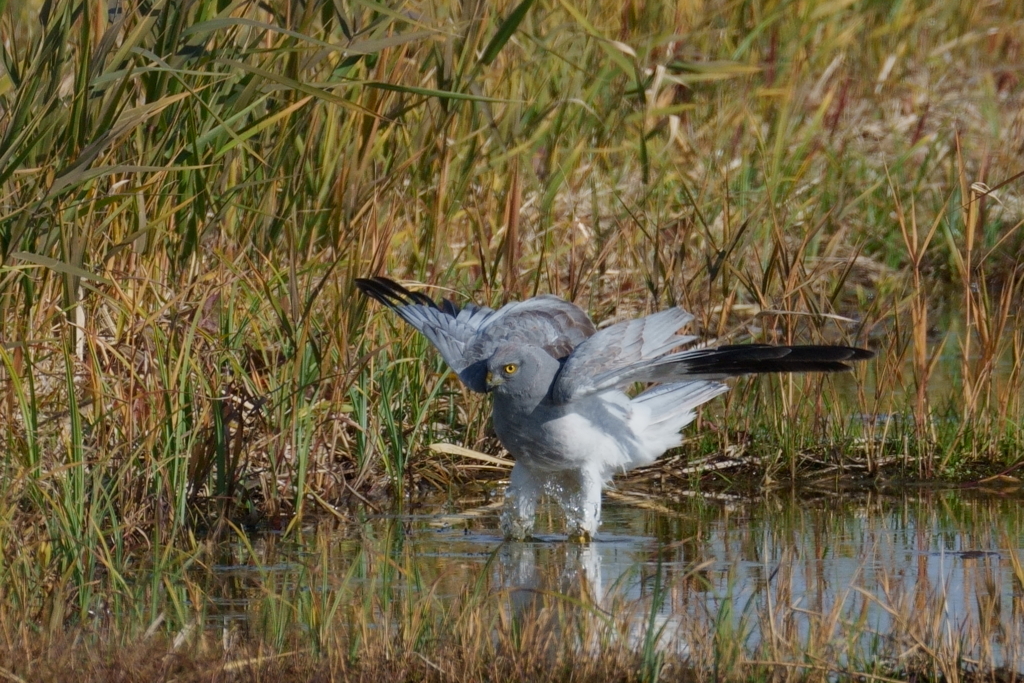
(522, 371)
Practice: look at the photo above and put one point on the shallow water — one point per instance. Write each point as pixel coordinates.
(882, 576)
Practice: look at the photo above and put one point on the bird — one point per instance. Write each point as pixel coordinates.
(558, 385)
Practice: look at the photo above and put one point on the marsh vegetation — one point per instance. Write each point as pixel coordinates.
(188, 190)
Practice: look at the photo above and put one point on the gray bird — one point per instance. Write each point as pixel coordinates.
(557, 385)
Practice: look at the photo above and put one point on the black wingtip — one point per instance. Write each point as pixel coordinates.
(760, 358)
(390, 293)
(832, 354)
(861, 354)
(829, 354)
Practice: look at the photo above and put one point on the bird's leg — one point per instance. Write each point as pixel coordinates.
(583, 506)
(590, 489)
(520, 503)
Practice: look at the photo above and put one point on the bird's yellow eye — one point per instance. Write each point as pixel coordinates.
(510, 369)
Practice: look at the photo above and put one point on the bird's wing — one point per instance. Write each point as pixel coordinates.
(466, 337)
(449, 328)
(613, 355)
(745, 359)
(582, 377)
(553, 324)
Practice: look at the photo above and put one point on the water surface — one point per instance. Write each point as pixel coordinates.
(873, 575)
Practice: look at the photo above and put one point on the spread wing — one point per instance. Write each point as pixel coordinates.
(466, 337)
(638, 351)
(609, 358)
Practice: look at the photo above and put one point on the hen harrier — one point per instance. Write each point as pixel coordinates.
(557, 384)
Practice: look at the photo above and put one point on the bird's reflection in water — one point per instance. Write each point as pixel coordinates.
(619, 586)
(533, 572)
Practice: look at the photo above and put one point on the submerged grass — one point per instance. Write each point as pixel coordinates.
(187, 191)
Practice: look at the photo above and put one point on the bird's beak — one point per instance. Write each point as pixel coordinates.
(493, 381)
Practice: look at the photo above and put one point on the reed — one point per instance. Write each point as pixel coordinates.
(187, 191)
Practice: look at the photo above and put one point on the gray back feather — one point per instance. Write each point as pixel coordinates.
(619, 354)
